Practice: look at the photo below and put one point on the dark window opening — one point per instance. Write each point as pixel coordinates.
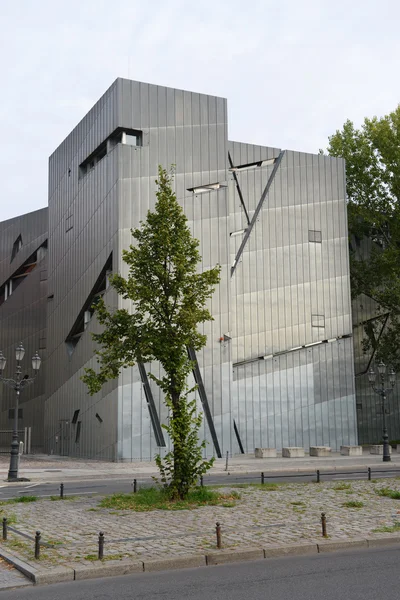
(16, 247)
(87, 311)
(315, 236)
(78, 432)
(129, 137)
(317, 320)
(209, 187)
(254, 165)
(7, 289)
(75, 417)
(42, 343)
(11, 413)
(98, 417)
(69, 224)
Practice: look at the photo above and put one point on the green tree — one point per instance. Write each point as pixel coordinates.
(372, 155)
(168, 303)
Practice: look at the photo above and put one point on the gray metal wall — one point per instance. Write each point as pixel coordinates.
(23, 318)
(301, 394)
(83, 224)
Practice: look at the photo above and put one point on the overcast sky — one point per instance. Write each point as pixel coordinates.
(293, 70)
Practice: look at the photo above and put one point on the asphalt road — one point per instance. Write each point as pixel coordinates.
(362, 575)
(105, 486)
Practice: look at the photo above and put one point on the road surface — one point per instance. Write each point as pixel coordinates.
(362, 575)
(110, 485)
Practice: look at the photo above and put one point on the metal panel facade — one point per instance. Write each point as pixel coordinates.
(276, 225)
(23, 316)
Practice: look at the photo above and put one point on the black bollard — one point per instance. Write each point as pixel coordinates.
(318, 476)
(37, 545)
(262, 478)
(369, 473)
(201, 481)
(62, 491)
(323, 523)
(4, 528)
(218, 532)
(101, 545)
(227, 459)
(134, 486)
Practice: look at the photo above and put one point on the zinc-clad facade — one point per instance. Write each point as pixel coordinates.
(23, 271)
(277, 369)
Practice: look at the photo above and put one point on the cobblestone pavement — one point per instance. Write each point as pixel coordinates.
(262, 517)
(10, 577)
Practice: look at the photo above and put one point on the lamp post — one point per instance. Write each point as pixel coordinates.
(382, 391)
(17, 385)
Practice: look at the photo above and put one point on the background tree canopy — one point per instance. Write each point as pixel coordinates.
(372, 155)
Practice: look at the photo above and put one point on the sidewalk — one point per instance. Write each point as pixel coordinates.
(40, 468)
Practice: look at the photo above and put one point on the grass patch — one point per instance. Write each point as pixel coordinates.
(18, 500)
(157, 498)
(298, 503)
(267, 487)
(342, 486)
(388, 493)
(353, 504)
(387, 528)
(55, 498)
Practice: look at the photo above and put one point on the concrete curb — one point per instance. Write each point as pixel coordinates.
(76, 572)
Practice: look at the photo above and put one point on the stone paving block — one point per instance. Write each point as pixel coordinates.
(351, 450)
(178, 562)
(222, 557)
(107, 569)
(293, 452)
(320, 451)
(334, 545)
(290, 549)
(265, 452)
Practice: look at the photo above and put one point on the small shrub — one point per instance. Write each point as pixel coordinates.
(388, 493)
(342, 486)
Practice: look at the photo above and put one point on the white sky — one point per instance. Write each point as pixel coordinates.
(293, 70)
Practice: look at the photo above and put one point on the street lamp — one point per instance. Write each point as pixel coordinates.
(382, 391)
(17, 384)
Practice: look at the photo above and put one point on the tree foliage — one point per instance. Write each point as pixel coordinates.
(372, 155)
(167, 303)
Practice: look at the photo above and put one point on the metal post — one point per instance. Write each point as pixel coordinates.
(318, 476)
(227, 459)
(37, 545)
(386, 451)
(369, 473)
(4, 528)
(14, 452)
(262, 478)
(134, 486)
(218, 532)
(323, 523)
(62, 491)
(29, 439)
(101, 545)
(25, 440)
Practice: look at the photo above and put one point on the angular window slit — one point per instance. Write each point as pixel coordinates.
(254, 165)
(209, 187)
(87, 311)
